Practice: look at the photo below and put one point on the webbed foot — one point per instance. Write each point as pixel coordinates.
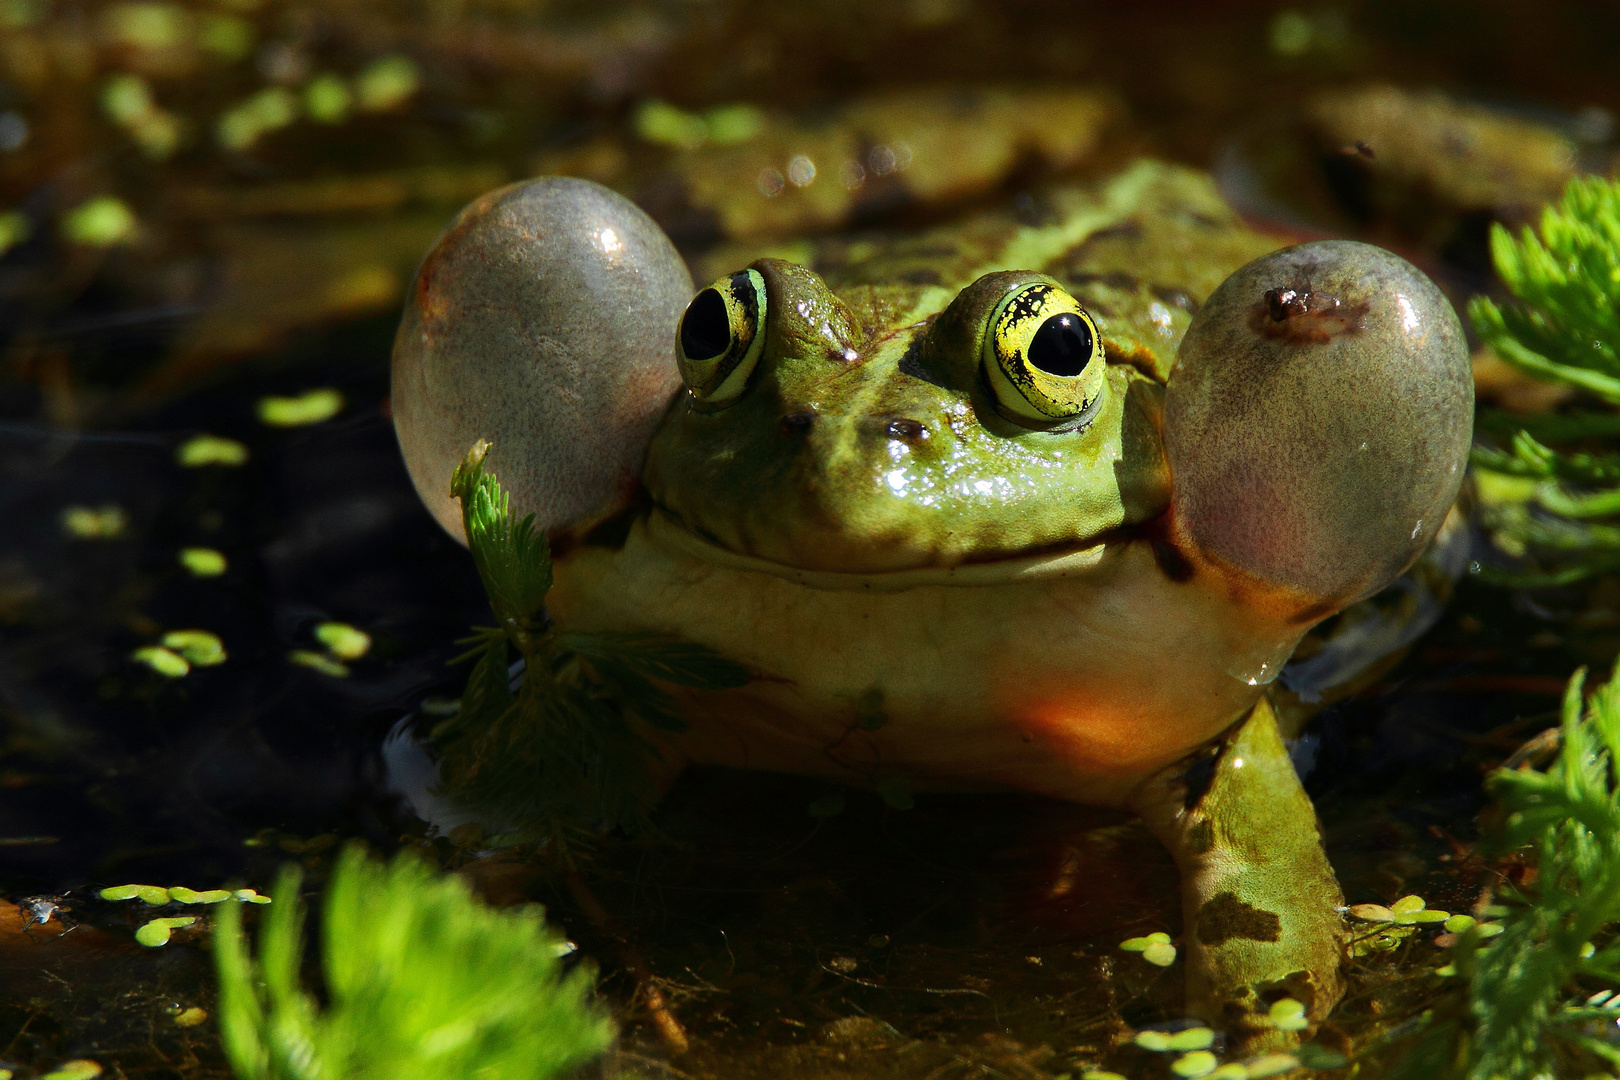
(1260, 901)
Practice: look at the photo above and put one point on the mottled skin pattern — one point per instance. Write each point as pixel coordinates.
(930, 590)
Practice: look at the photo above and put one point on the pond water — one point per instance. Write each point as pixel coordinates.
(965, 936)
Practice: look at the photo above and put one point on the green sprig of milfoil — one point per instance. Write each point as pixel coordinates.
(566, 755)
(419, 981)
(1541, 998)
(1557, 507)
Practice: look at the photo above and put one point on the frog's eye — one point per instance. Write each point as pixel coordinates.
(1043, 357)
(721, 337)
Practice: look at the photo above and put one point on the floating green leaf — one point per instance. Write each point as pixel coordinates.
(149, 894)
(166, 663)
(1193, 1038)
(318, 662)
(1196, 1064)
(342, 640)
(202, 562)
(80, 1069)
(14, 229)
(182, 895)
(386, 83)
(1288, 1014)
(200, 450)
(95, 522)
(157, 931)
(199, 647)
(101, 222)
(310, 407)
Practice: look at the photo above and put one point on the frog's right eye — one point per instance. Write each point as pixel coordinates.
(721, 337)
(1044, 358)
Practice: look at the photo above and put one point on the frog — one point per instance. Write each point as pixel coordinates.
(1041, 500)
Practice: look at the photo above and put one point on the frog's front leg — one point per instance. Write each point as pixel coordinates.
(1260, 903)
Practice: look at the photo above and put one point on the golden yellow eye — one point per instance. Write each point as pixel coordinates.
(1043, 357)
(721, 336)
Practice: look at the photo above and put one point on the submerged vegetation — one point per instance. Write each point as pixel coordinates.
(567, 751)
(419, 978)
(1557, 506)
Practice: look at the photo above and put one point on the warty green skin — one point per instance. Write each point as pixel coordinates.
(931, 591)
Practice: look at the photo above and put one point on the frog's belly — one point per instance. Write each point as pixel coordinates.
(1072, 677)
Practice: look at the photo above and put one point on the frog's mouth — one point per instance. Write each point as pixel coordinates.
(663, 531)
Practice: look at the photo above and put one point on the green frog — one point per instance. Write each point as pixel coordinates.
(1042, 500)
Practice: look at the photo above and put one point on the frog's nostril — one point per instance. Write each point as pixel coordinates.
(906, 430)
(798, 423)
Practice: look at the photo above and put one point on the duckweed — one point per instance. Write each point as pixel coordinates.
(14, 229)
(1193, 1065)
(342, 640)
(328, 99)
(1196, 1038)
(1288, 1015)
(1317, 1056)
(1155, 948)
(150, 894)
(95, 522)
(101, 222)
(1409, 910)
(182, 895)
(150, 26)
(200, 450)
(730, 124)
(78, 1069)
(1156, 1041)
(387, 83)
(1270, 1065)
(311, 407)
(168, 664)
(202, 562)
(269, 110)
(663, 124)
(157, 931)
(318, 662)
(1458, 923)
(226, 36)
(199, 647)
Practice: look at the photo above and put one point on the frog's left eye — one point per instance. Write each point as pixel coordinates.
(721, 337)
(1043, 357)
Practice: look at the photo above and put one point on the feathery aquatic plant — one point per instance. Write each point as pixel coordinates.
(1549, 503)
(422, 981)
(1540, 998)
(566, 752)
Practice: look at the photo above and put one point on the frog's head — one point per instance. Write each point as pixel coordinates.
(1312, 436)
(896, 429)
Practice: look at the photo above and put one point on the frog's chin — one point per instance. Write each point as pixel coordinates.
(664, 531)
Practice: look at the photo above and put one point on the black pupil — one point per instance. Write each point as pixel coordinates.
(705, 329)
(1062, 345)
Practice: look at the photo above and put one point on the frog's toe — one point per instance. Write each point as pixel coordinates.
(1317, 423)
(544, 321)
